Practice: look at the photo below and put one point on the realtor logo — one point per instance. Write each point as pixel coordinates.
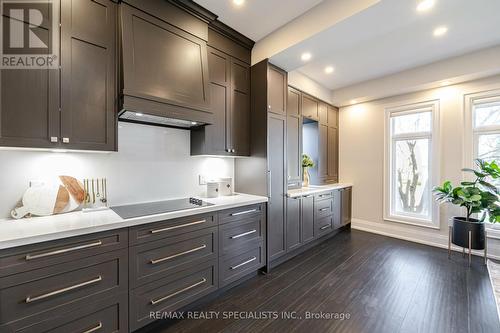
(30, 34)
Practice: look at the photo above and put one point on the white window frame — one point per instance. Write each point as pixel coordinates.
(471, 132)
(433, 136)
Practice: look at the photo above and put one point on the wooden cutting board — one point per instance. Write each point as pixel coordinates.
(42, 201)
(74, 187)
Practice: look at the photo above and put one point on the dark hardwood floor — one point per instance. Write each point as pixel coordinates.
(383, 284)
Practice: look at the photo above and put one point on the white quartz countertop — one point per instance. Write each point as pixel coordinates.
(41, 229)
(316, 189)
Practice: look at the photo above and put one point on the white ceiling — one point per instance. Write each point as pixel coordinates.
(257, 18)
(389, 37)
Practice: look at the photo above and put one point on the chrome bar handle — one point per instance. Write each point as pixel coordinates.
(157, 261)
(30, 299)
(94, 329)
(323, 209)
(177, 226)
(244, 263)
(244, 212)
(164, 298)
(53, 253)
(324, 227)
(244, 234)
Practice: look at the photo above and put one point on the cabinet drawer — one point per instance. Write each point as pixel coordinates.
(236, 267)
(26, 258)
(171, 293)
(151, 261)
(109, 315)
(323, 196)
(235, 235)
(323, 208)
(323, 226)
(240, 213)
(159, 230)
(44, 291)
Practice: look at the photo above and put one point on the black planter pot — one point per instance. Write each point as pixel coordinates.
(461, 228)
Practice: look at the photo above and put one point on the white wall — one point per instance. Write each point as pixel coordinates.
(362, 157)
(152, 163)
(300, 81)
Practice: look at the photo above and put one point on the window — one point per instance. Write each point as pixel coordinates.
(486, 129)
(410, 154)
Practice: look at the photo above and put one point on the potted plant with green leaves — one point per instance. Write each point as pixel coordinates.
(307, 163)
(480, 197)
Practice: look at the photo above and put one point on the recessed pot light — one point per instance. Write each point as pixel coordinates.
(238, 2)
(425, 5)
(306, 56)
(329, 69)
(440, 31)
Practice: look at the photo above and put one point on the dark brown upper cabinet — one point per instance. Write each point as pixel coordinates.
(73, 107)
(333, 116)
(310, 107)
(294, 138)
(165, 66)
(276, 90)
(229, 74)
(88, 74)
(322, 113)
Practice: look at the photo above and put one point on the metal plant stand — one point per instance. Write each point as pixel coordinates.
(450, 235)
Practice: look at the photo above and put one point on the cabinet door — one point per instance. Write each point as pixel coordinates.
(214, 139)
(276, 90)
(294, 140)
(309, 107)
(323, 113)
(346, 205)
(333, 116)
(276, 182)
(293, 223)
(240, 108)
(322, 152)
(88, 74)
(164, 66)
(333, 154)
(307, 219)
(29, 105)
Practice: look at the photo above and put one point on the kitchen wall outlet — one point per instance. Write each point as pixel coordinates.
(36, 183)
(202, 180)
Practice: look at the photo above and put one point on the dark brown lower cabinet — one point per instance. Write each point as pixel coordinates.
(171, 293)
(307, 218)
(346, 207)
(343, 207)
(112, 281)
(293, 221)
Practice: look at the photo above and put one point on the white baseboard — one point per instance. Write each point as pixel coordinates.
(432, 239)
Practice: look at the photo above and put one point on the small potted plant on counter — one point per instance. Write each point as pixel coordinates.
(307, 163)
(477, 197)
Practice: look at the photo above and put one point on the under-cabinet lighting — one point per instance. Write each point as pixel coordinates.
(139, 114)
(445, 83)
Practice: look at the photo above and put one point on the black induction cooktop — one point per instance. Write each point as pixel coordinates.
(158, 207)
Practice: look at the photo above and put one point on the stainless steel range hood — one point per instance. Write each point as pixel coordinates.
(149, 119)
